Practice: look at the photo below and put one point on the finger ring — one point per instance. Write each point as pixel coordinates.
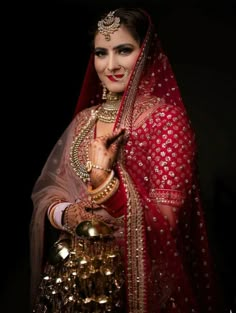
(89, 166)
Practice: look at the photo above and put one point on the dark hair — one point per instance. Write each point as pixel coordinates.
(134, 19)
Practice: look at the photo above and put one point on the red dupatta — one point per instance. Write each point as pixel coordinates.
(162, 275)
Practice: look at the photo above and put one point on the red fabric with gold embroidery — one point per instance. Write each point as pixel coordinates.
(160, 160)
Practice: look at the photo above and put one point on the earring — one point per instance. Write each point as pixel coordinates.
(104, 92)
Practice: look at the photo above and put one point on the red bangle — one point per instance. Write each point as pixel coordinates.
(115, 204)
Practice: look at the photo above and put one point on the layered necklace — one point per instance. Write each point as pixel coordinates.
(108, 111)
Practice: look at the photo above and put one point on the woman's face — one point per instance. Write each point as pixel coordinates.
(115, 59)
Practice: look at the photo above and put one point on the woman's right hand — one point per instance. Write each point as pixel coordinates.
(81, 211)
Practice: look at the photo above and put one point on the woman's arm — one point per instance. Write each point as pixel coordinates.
(172, 164)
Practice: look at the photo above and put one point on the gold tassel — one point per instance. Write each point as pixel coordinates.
(104, 93)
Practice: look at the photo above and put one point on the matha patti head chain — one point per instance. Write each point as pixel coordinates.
(109, 25)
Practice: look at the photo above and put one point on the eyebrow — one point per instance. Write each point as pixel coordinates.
(116, 47)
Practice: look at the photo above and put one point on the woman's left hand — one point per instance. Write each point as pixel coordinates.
(103, 152)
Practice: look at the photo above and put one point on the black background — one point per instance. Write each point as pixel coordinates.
(45, 56)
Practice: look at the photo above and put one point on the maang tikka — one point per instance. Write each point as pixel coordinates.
(109, 25)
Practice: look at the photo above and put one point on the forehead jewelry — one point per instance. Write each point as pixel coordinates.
(109, 25)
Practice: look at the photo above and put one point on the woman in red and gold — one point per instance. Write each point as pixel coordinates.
(128, 162)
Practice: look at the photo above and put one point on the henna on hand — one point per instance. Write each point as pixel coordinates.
(75, 213)
(103, 152)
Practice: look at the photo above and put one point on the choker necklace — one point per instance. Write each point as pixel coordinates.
(113, 96)
(108, 111)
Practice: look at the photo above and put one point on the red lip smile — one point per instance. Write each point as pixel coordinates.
(114, 78)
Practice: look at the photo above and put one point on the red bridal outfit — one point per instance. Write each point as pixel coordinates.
(167, 266)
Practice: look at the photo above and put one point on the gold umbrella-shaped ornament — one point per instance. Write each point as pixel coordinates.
(93, 229)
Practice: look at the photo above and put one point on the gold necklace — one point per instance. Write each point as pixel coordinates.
(108, 111)
(78, 167)
(111, 96)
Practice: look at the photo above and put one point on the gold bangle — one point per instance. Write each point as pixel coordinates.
(66, 227)
(107, 192)
(91, 192)
(50, 214)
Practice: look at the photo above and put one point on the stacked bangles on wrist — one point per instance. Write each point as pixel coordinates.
(107, 189)
(58, 211)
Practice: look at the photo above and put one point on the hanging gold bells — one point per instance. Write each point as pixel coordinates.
(84, 274)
